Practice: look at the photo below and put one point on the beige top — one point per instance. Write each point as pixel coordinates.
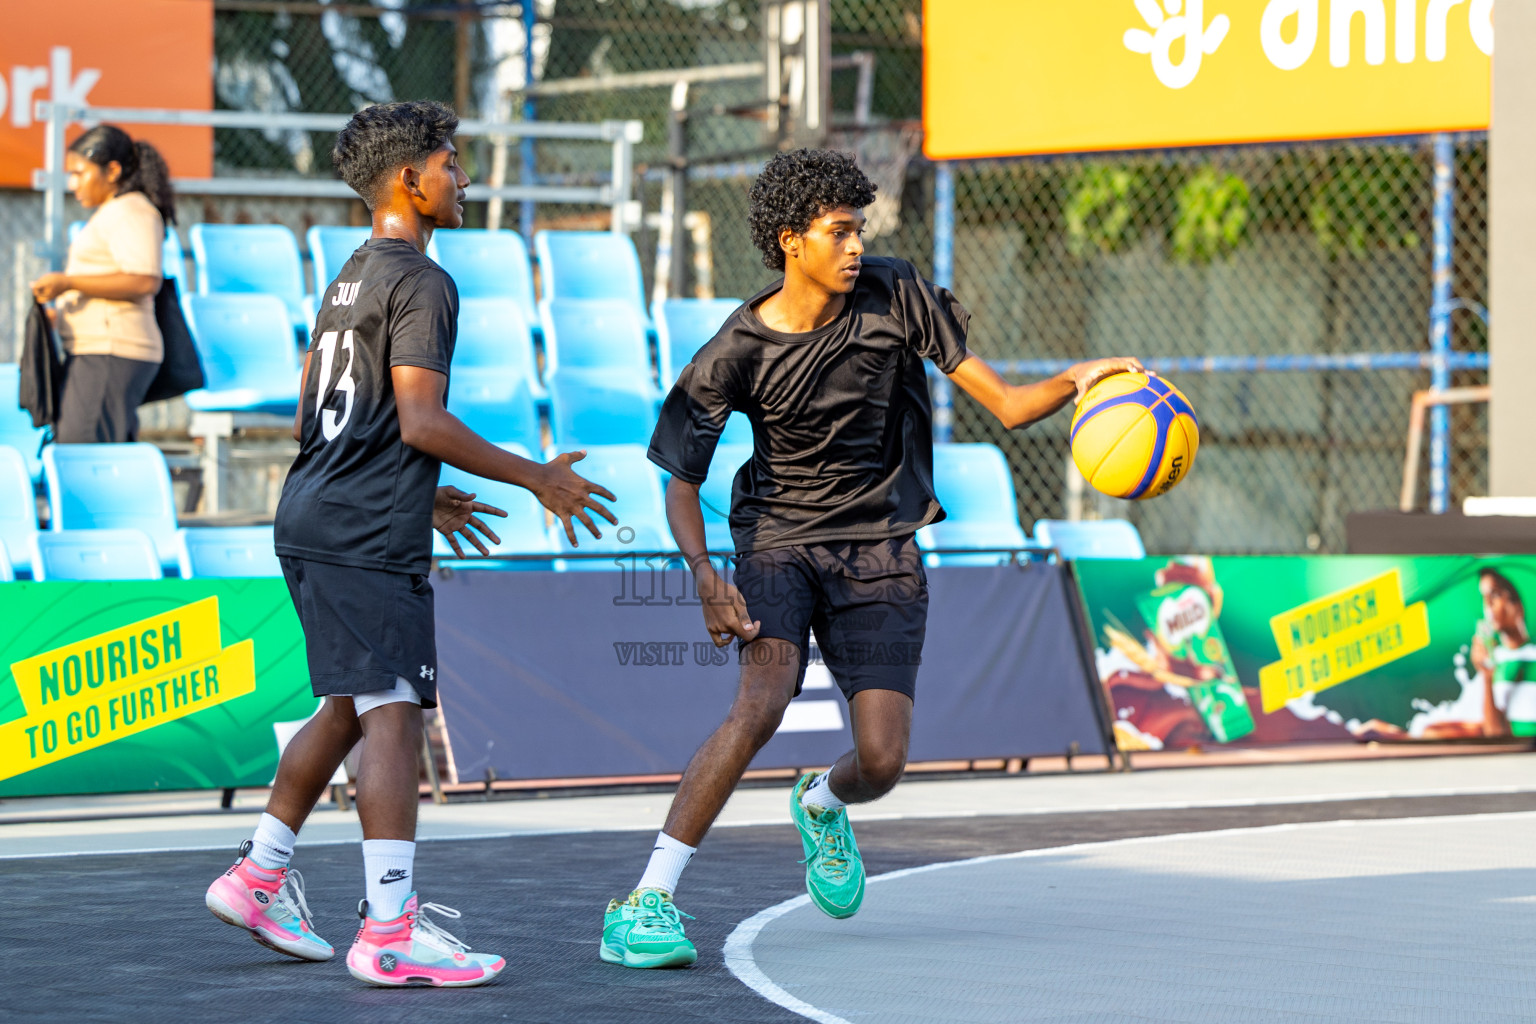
(124, 236)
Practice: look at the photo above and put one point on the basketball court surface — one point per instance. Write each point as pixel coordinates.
(1363, 891)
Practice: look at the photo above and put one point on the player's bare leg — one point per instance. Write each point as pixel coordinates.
(769, 670)
(259, 893)
(389, 773)
(396, 946)
(310, 760)
(645, 930)
(834, 869)
(882, 729)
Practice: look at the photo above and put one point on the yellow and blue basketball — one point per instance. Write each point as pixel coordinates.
(1134, 436)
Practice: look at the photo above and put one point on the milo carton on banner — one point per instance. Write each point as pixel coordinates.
(1183, 625)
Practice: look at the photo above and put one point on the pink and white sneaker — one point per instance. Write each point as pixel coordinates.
(268, 904)
(412, 950)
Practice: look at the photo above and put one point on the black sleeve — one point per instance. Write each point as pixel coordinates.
(423, 321)
(936, 322)
(691, 420)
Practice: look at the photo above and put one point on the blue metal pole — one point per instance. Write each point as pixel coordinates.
(1312, 363)
(944, 277)
(525, 147)
(1440, 322)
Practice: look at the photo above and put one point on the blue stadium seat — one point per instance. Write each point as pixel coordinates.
(243, 258)
(487, 265)
(120, 554)
(173, 262)
(1102, 538)
(600, 409)
(16, 429)
(683, 326)
(975, 487)
(596, 335)
(589, 265)
(6, 575)
(110, 487)
(494, 384)
(249, 362)
(18, 512)
(738, 430)
(227, 551)
(495, 335)
(715, 494)
(522, 532)
(514, 420)
(330, 246)
(624, 470)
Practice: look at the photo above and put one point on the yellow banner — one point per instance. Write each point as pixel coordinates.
(121, 682)
(1307, 625)
(1004, 77)
(1340, 636)
(120, 658)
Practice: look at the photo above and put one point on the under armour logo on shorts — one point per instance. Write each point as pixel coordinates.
(428, 673)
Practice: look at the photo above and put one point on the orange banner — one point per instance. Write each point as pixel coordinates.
(117, 53)
(1009, 77)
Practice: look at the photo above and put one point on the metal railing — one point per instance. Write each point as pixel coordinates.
(57, 117)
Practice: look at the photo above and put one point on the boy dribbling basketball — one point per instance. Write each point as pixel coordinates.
(828, 365)
(354, 529)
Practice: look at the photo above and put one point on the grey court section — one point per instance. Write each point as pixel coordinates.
(1410, 920)
(125, 938)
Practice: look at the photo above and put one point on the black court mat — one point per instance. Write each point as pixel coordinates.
(127, 939)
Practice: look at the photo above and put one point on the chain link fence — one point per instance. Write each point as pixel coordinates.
(1303, 250)
(21, 225)
(1297, 251)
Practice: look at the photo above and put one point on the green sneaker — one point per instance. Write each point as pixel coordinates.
(834, 871)
(644, 931)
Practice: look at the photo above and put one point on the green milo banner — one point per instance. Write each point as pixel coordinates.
(1271, 649)
(125, 686)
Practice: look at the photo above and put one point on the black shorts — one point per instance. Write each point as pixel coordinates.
(866, 601)
(364, 628)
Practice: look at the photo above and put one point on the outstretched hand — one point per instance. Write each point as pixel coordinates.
(1086, 375)
(455, 512)
(569, 496)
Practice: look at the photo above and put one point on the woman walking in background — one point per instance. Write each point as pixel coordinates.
(105, 298)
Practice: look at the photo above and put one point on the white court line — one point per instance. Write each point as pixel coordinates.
(924, 815)
(738, 945)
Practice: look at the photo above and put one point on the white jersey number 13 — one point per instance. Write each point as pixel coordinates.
(330, 423)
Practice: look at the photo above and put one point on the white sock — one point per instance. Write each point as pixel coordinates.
(388, 864)
(272, 845)
(667, 862)
(819, 794)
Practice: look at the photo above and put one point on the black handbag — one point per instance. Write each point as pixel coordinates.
(180, 369)
(42, 369)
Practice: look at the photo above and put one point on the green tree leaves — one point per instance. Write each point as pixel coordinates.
(1212, 215)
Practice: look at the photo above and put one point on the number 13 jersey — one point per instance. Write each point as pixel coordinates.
(357, 495)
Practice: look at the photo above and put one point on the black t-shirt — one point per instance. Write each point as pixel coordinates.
(842, 428)
(357, 495)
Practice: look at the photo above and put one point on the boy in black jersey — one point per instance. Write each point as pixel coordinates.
(828, 365)
(354, 534)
